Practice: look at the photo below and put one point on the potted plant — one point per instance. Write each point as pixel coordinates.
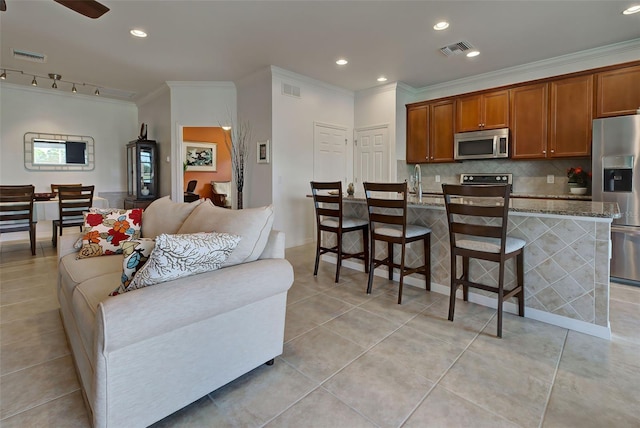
(578, 180)
(237, 142)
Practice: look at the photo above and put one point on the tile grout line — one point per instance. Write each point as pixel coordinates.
(437, 382)
(553, 380)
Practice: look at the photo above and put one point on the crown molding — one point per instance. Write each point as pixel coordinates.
(161, 90)
(199, 84)
(282, 73)
(578, 61)
(64, 94)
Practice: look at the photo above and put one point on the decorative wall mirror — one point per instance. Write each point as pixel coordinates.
(57, 152)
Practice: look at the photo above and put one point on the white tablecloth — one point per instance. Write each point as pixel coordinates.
(48, 210)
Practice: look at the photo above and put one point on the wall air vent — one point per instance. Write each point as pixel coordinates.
(28, 56)
(456, 48)
(292, 91)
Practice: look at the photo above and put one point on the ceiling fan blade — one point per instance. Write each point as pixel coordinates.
(89, 8)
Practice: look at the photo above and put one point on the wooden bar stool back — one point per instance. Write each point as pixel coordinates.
(327, 200)
(387, 208)
(478, 230)
(16, 211)
(73, 201)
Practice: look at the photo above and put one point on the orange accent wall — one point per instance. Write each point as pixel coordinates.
(213, 134)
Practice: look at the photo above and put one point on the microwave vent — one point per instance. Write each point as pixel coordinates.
(456, 48)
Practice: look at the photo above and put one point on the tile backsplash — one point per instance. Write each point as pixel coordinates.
(529, 177)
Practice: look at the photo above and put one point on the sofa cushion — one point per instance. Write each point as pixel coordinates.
(252, 224)
(73, 272)
(165, 216)
(177, 256)
(104, 231)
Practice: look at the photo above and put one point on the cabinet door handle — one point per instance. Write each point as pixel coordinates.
(544, 152)
(553, 151)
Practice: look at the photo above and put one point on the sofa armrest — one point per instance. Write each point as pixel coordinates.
(137, 315)
(66, 242)
(275, 246)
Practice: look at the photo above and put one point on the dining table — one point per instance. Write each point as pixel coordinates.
(48, 210)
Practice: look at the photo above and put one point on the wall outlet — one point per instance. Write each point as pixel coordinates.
(437, 179)
(551, 179)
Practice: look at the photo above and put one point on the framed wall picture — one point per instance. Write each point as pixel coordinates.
(263, 155)
(200, 156)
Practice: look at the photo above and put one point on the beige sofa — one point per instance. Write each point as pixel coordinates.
(147, 353)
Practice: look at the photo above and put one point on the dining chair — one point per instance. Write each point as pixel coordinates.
(73, 201)
(16, 211)
(478, 230)
(387, 208)
(54, 187)
(327, 200)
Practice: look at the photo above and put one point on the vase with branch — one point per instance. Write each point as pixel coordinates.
(237, 141)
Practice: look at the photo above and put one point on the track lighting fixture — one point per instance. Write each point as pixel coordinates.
(53, 76)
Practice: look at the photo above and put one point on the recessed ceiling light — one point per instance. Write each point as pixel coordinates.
(442, 25)
(382, 79)
(342, 61)
(471, 54)
(631, 10)
(138, 33)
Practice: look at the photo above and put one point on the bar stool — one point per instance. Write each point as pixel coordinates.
(482, 240)
(388, 223)
(329, 218)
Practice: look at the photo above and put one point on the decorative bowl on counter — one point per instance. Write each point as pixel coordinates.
(578, 190)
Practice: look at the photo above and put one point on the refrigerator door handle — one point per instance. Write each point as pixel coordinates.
(627, 230)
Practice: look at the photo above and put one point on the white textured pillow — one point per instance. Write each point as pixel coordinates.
(177, 256)
(252, 224)
(165, 216)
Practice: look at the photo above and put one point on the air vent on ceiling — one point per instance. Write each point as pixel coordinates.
(456, 48)
(292, 91)
(29, 56)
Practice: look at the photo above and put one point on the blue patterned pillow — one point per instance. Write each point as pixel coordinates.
(136, 253)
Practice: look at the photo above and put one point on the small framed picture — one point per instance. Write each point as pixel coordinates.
(263, 152)
(200, 156)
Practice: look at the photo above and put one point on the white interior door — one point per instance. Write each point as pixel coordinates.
(329, 153)
(371, 155)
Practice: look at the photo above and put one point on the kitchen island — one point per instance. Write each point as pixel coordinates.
(566, 258)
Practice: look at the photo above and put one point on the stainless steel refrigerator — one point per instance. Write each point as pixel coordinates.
(616, 178)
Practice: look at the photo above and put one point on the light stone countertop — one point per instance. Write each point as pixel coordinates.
(576, 208)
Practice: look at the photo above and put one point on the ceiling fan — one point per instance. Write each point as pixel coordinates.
(89, 8)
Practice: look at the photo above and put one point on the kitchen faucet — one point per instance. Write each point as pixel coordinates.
(417, 179)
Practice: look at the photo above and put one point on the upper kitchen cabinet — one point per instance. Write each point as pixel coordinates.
(441, 131)
(484, 111)
(417, 134)
(529, 112)
(618, 92)
(430, 132)
(570, 116)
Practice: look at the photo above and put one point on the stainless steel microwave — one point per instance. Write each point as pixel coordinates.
(485, 144)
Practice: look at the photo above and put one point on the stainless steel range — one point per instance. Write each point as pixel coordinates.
(475, 179)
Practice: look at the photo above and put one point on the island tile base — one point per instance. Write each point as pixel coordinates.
(566, 264)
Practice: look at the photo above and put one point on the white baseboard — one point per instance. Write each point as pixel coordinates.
(535, 314)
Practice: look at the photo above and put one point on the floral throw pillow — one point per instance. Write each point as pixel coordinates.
(136, 253)
(104, 231)
(177, 256)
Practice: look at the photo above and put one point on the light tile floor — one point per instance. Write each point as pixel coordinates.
(350, 360)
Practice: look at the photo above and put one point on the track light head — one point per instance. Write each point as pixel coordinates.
(73, 89)
(3, 76)
(97, 92)
(34, 82)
